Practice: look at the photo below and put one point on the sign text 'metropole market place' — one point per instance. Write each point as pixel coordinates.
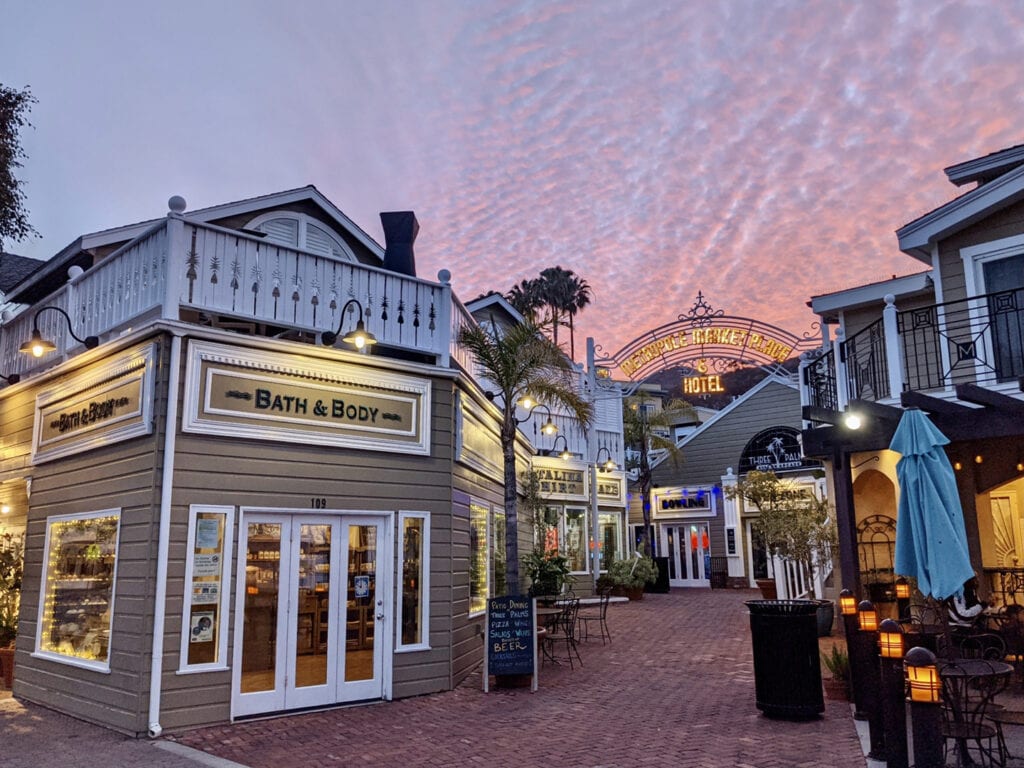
(740, 338)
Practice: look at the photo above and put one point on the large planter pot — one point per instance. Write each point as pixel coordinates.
(768, 589)
(6, 668)
(635, 593)
(837, 690)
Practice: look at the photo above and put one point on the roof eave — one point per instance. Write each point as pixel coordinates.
(917, 237)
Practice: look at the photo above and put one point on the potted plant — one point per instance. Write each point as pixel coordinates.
(548, 572)
(12, 559)
(629, 576)
(837, 662)
(793, 523)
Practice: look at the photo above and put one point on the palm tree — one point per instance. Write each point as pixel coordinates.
(517, 361)
(525, 298)
(579, 296)
(642, 429)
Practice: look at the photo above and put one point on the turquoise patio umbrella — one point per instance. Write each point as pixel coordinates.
(931, 542)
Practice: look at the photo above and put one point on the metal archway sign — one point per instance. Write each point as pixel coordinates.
(707, 341)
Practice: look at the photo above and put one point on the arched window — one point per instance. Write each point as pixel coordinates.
(297, 230)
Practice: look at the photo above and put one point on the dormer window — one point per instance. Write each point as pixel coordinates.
(297, 230)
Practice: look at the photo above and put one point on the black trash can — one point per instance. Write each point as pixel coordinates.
(787, 669)
(660, 585)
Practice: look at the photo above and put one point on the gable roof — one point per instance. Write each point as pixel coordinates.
(14, 269)
(917, 237)
(984, 169)
(494, 301)
(739, 402)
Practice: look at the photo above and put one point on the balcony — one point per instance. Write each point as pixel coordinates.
(199, 273)
(931, 350)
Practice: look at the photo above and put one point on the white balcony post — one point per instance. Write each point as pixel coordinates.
(444, 318)
(731, 518)
(893, 359)
(175, 258)
(842, 383)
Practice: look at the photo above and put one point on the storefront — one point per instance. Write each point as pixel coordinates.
(226, 513)
(583, 504)
(703, 531)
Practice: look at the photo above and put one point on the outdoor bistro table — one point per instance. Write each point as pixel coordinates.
(975, 683)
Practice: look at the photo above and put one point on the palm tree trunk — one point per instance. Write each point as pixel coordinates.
(508, 450)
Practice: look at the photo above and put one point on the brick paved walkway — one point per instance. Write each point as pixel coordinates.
(675, 688)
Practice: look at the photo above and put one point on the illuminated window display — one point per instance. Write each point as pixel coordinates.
(610, 537)
(477, 558)
(78, 593)
(414, 566)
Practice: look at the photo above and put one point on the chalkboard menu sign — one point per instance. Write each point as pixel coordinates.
(510, 639)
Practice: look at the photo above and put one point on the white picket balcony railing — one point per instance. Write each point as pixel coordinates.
(185, 270)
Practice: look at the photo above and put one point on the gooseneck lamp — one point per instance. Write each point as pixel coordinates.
(37, 346)
(360, 338)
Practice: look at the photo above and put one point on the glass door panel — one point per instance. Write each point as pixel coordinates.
(262, 590)
(312, 641)
(364, 611)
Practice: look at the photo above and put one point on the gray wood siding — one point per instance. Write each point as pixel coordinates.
(718, 447)
(123, 475)
(1005, 223)
(239, 473)
(713, 450)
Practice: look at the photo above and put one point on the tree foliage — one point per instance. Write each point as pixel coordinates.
(643, 430)
(552, 300)
(792, 521)
(517, 361)
(14, 108)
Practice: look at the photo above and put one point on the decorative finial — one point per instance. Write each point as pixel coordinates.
(176, 204)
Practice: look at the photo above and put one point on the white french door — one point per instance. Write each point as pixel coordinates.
(688, 549)
(311, 611)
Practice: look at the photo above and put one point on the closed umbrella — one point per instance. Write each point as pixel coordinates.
(931, 542)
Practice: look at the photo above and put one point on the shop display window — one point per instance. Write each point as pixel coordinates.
(78, 589)
(575, 540)
(414, 596)
(204, 639)
(610, 538)
(478, 558)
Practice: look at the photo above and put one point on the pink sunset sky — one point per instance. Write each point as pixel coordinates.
(760, 152)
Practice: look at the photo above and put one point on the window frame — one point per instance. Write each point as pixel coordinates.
(303, 220)
(223, 605)
(75, 661)
(424, 644)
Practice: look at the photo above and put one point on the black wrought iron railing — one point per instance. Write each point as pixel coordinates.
(1006, 585)
(820, 382)
(867, 372)
(978, 341)
(970, 341)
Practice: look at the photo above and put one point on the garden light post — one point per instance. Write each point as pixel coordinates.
(903, 599)
(867, 641)
(848, 610)
(925, 698)
(894, 715)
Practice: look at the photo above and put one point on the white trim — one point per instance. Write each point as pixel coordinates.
(314, 374)
(114, 372)
(916, 237)
(424, 644)
(75, 661)
(975, 256)
(224, 605)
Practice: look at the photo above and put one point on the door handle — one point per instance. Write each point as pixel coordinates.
(380, 617)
